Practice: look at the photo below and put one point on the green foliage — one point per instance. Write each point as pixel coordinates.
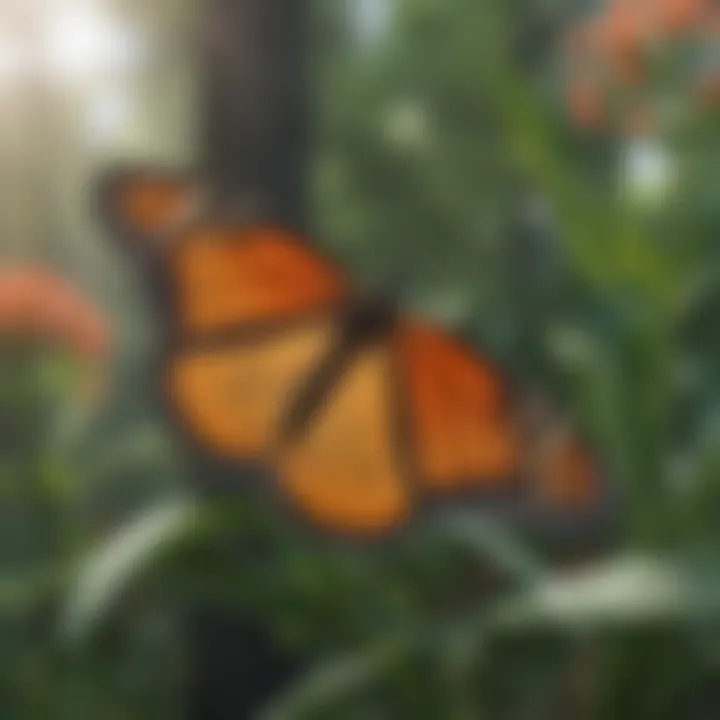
(51, 475)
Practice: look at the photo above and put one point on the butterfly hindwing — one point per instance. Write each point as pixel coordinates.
(468, 439)
(345, 470)
(230, 397)
(566, 487)
(460, 426)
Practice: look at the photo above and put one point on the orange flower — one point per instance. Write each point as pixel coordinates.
(625, 32)
(612, 43)
(618, 45)
(36, 303)
(622, 28)
(677, 16)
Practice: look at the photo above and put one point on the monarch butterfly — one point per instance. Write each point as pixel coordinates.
(362, 413)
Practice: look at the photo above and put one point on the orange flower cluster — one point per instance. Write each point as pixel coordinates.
(610, 50)
(36, 303)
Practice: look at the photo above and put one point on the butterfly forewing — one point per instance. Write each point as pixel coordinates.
(226, 277)
(142, 205)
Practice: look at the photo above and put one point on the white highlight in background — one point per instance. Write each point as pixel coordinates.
(12, 61)
(81, 42)
(647, 171)
(370, 19)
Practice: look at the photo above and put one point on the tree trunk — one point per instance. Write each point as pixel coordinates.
(255, 93)
(254, 122)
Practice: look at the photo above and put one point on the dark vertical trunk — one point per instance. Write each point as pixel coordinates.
(254, 85)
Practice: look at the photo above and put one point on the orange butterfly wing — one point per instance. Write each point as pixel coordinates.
(568, 478)
(467, 434)
(219, 274)
(141, 205)
(231, 397)
(345, 471)
(458, 413)
(560, 471)
(225, 277)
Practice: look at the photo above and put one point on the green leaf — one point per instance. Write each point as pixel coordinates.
(628, 590)
(335, 680)
(494, 542)
(118, 563)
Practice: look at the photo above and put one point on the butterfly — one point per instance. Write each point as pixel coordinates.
(363, 414)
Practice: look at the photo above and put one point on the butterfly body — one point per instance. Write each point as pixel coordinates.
(362, 413)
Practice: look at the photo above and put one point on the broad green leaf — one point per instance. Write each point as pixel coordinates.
(111, 568)
(628, 590)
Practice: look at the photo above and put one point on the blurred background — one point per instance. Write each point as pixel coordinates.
(544, 177)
